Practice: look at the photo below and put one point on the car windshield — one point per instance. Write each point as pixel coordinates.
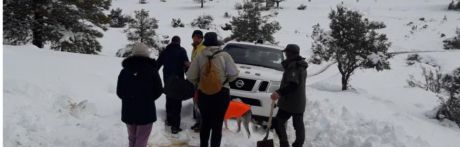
(256, 55)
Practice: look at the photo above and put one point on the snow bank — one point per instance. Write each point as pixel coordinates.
(64, 99)
(73, 103)
(328, 125)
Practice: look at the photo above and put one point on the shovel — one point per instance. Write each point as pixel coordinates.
(268, 142)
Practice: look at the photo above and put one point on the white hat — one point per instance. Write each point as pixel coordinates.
(140, 49)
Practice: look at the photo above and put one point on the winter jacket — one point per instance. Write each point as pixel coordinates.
(139, 85)
(197, 50)
(224, 62)
(173, 60)
(292, 89)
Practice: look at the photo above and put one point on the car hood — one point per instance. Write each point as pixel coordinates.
(259, 73)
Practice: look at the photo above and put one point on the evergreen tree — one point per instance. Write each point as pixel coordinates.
(16, 24)
(201, 2)
(251, 26)
(278, 3)
(68, 22)
(454, 5)
(454, 42)
(271, 3)
(458, 5)
(450, 109)
(353, 43)
(117, 19)
(83, 42)
(142, 29)
(177, 23)
(203, 22)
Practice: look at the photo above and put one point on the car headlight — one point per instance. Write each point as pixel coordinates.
(274, 85)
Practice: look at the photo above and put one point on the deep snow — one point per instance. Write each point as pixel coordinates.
(65, 99)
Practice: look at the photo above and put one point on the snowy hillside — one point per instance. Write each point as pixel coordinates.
(54, 99)
(400, 16)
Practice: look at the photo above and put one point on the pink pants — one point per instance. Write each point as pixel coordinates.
(138, 135)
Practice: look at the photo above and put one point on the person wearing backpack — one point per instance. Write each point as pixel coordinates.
(211, 71)
(291, 96)
(174, 61)
(139, 85)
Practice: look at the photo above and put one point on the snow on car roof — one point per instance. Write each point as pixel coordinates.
(254, 44)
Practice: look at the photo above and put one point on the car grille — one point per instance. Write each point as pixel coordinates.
(249, 101)
(242, 84)
(263, 86)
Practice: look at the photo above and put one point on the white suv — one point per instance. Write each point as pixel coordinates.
(260, 75)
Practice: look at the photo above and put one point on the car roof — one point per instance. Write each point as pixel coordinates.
(253, 44)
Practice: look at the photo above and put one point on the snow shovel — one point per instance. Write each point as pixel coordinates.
(268, 142)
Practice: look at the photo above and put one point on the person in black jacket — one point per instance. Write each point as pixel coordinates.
(174, 60)
(139, 85)
(291, 96)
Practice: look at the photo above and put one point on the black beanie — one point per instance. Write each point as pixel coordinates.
(292, 48)
(175, 39)
(197, 32)
(210, 39)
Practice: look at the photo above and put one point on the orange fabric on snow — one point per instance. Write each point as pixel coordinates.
(236, 109)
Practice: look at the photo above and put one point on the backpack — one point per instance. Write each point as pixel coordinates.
(210, 82)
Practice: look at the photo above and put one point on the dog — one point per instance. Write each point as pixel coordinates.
(241, 112)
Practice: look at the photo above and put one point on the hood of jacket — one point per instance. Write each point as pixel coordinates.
(297, 62)
(209, 50)
(138, 63)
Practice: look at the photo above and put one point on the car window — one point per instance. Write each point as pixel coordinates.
(256, 55)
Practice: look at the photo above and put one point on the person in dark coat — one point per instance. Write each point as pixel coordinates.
(175, 61)
(139, 85)
(291, 96)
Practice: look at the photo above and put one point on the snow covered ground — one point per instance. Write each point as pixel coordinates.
(65, 99)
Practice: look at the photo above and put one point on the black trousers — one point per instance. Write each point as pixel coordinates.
(196, 112)
(173, 110)
(173, 107)
(212, 108)
(280, 128)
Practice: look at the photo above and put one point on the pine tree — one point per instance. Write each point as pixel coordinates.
(203, 22)
(454, 42)
(251, 26)
(177, 23)
(458, 5)
(353, 42)
(62, 23)
(201, 2)
(271, 3)
(454, 5)
(278, 3)
(117, 19)
(16, 23)
(450, 109)
(142, 29)
(80, 37)
(84, 42)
